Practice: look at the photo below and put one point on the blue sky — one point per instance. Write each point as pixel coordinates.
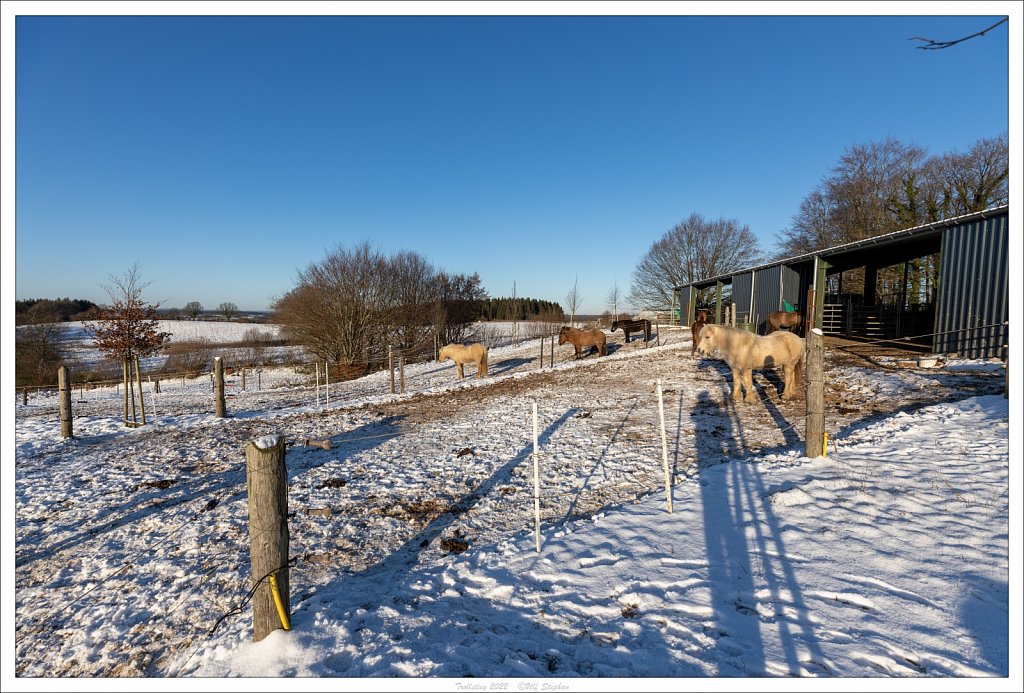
(224, 154)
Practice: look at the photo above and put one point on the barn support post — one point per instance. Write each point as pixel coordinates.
(815, 394)
(220, 408)
(691, 306)
(267, 480)
(718, 302)
(63, 387)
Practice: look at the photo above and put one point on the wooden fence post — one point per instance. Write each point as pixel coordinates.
(243, 380)
(142, 395)
(65, 402)
(401, 372)
(218, 388)
(24, 396)
(391, 367)
(267, 479)
(542, 351)
(815, 422)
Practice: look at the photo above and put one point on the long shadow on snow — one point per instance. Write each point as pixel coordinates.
(215, 488)
(746, 554)
(405, 556)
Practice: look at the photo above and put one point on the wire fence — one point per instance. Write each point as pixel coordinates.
(511, 491)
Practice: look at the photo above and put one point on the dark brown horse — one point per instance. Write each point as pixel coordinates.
(582, 338)
(791, 320)
(701, 321)
(629, 326)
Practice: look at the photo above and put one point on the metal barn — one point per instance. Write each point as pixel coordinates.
(875, 289)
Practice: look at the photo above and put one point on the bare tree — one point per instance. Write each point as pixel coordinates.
(129, 329)
(693, 249)
(192, 309)
(573, 300)
(228, 309)
(39, 352)
(353, 304)
(614, 296)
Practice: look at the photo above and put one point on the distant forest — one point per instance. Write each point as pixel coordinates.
(519, 308)
(34, 311)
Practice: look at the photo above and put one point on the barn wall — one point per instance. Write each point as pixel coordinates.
(973, 296)
(741, 284)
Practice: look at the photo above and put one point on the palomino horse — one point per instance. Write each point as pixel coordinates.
(782, 318)
(701, 321)
(629, 326)
(462, 354)
(582, 338)
(744, 351)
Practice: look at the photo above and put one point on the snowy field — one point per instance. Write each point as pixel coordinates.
(413, 535)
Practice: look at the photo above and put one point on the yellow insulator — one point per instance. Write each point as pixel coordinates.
(281, 612)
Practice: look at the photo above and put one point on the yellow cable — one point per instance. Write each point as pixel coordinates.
(824, 447)
(285, 623)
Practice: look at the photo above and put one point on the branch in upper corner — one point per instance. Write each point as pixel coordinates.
(932, 45)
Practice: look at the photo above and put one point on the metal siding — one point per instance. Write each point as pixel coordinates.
(767, 295)
(741, 284)
(972, 302)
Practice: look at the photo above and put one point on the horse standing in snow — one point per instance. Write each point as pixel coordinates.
(744, 351)
(462, 354)
(582, 338)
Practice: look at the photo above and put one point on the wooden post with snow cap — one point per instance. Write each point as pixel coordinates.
(220, 408)
(664, 449)
(267, 479)
(63, 386)
(815, 422)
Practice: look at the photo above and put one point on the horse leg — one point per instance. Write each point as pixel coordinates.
(748, 382)
(458, 367)
(737, 381)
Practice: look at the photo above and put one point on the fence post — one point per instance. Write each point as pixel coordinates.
(218, 388)
(243, 380)
(327, 384)
(24, 396)
(267, 480)
(815, 423)
(65, 402)
(542, 351)
(401, 372)
(536, 482)
(391, 367)
(664, 449)
(142, 395)
(318, 383)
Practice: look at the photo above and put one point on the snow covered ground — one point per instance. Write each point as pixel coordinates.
(413, 535)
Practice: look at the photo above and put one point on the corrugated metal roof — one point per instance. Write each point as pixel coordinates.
(896, 237)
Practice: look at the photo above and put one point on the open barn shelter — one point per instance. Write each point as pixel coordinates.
(944, 285)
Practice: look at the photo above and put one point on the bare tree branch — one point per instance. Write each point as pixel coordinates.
(933, 45)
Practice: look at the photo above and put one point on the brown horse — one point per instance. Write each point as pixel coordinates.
(791, 320)
(462, 354)
(701, 321)
(745, 351)
(582, 338)
(629, 326)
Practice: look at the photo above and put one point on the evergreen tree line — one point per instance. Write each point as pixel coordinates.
(36, 311)
(520, 308)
